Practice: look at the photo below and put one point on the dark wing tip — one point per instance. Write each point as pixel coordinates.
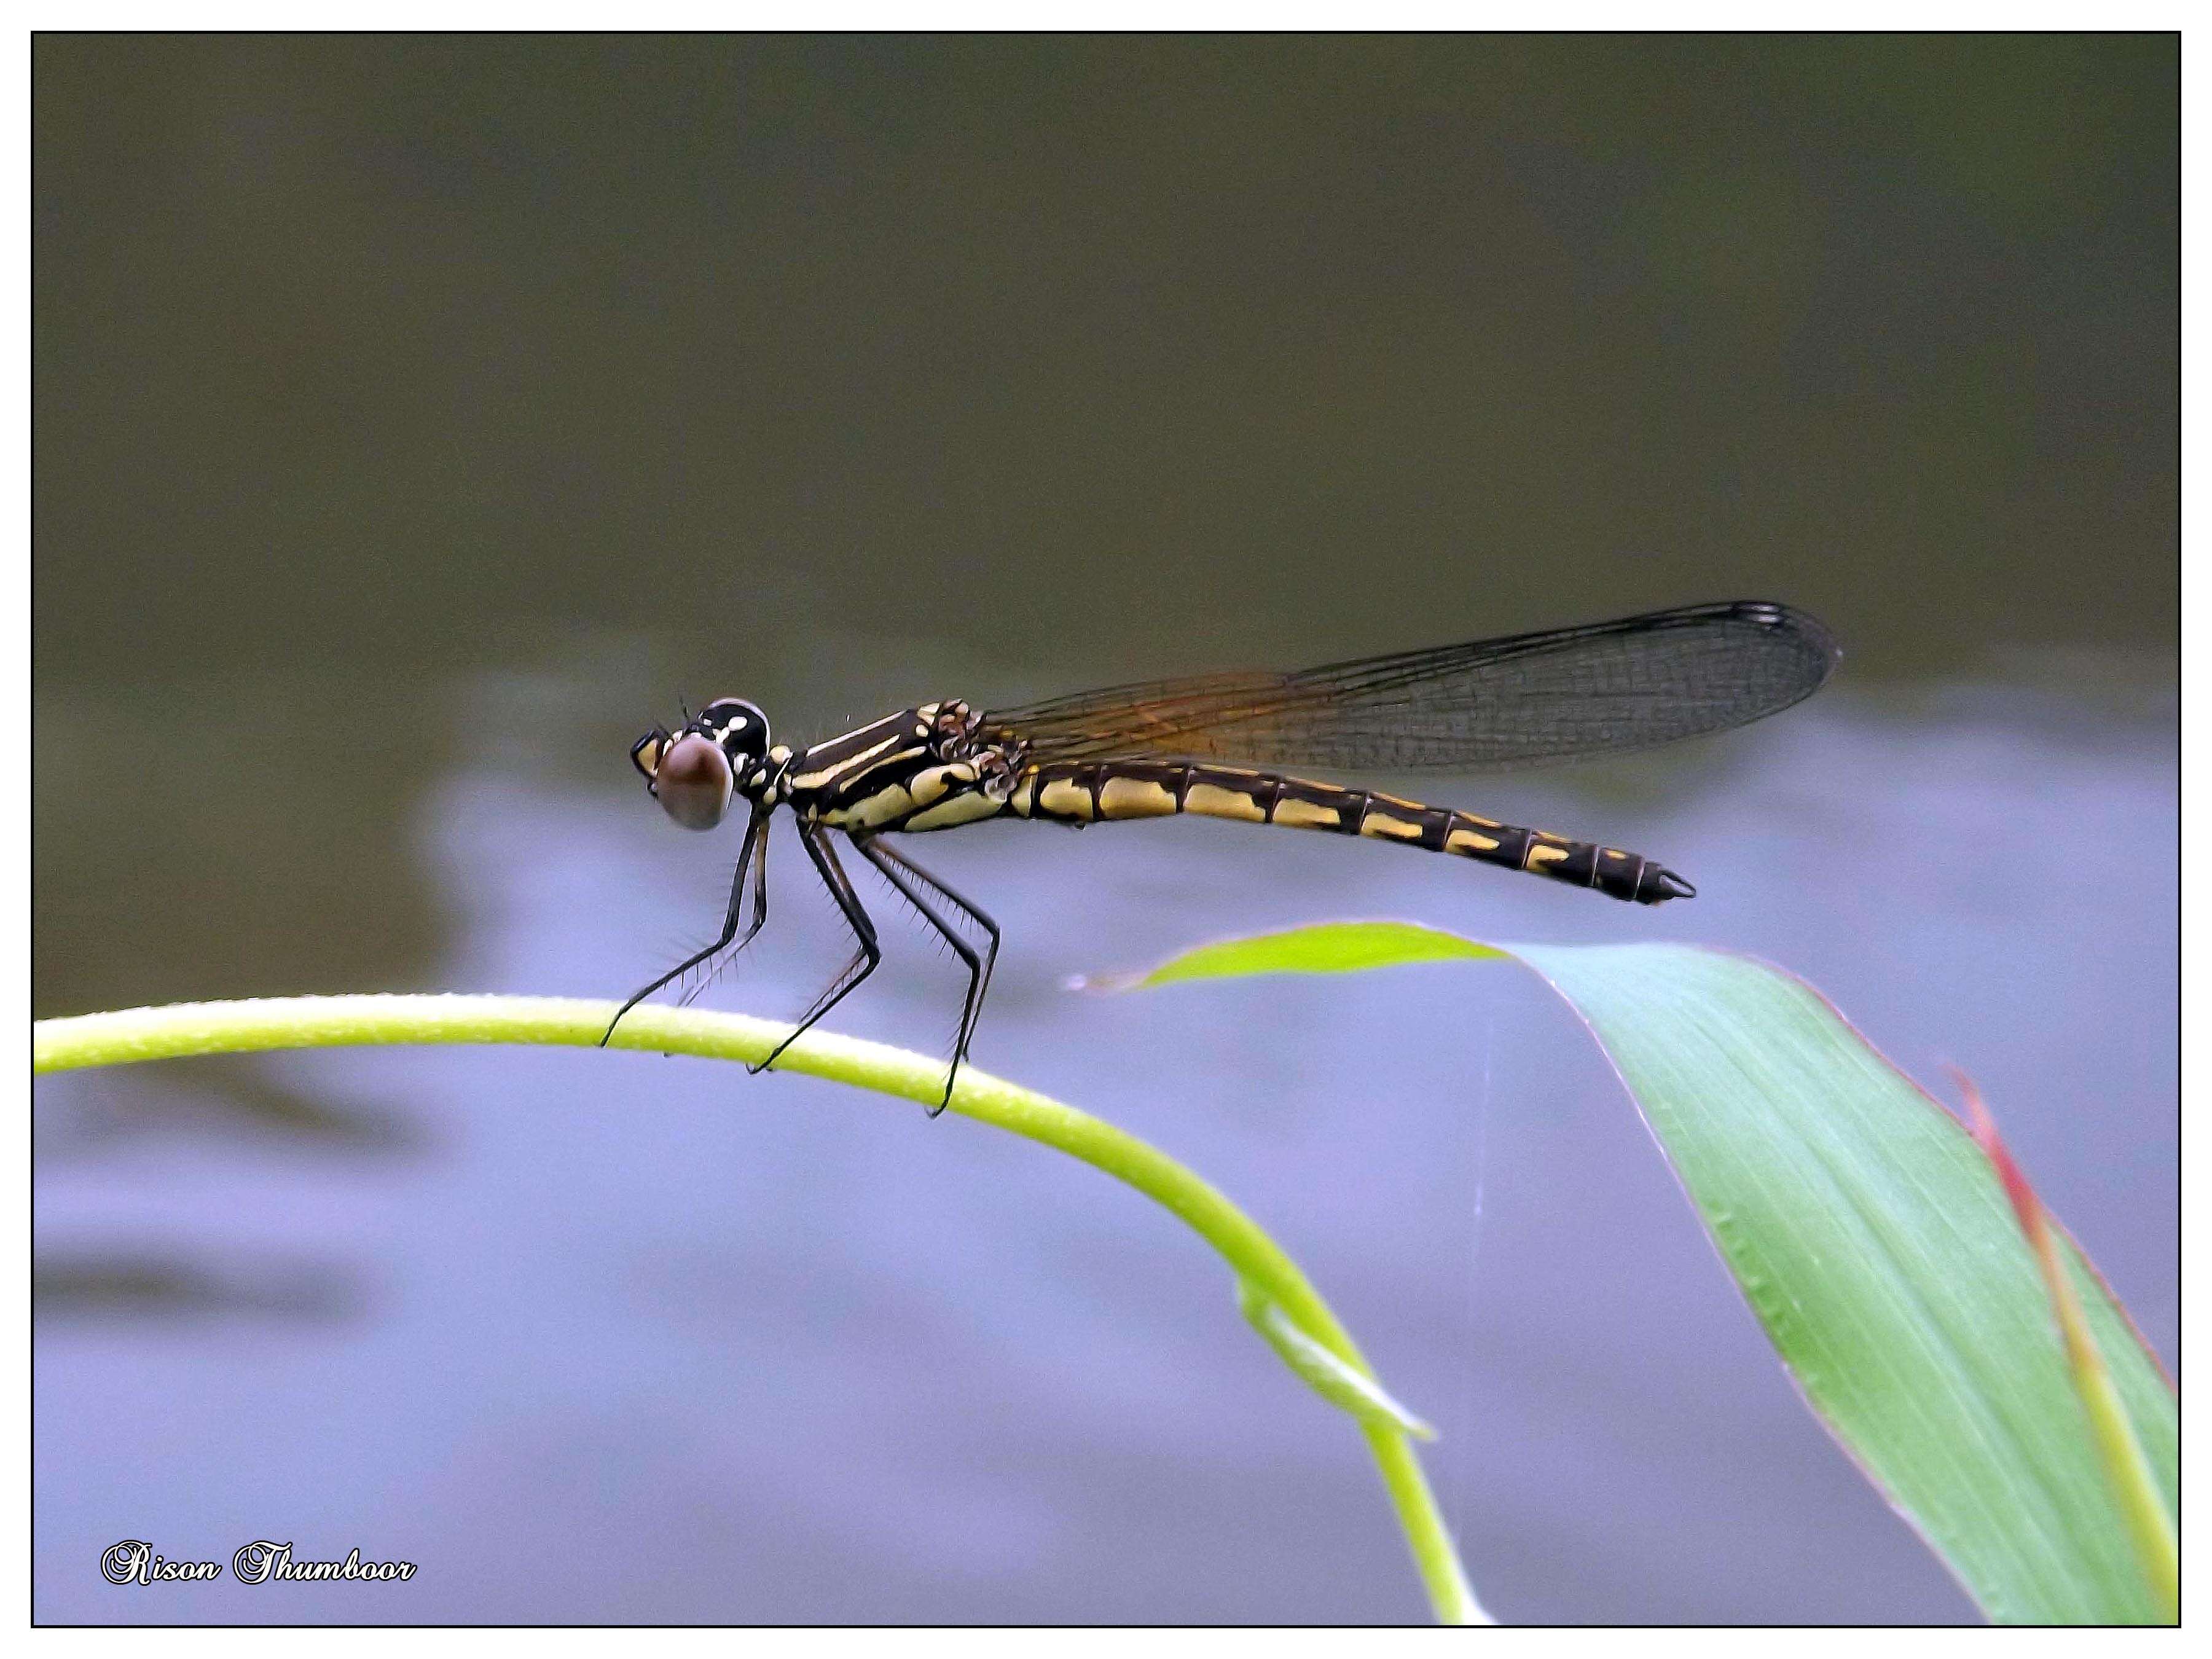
(1801, 626)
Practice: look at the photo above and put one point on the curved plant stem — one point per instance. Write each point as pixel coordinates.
(207, 1028)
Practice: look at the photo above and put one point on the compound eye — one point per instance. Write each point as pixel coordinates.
(693, 782)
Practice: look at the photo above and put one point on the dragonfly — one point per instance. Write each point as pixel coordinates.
(1225, 745)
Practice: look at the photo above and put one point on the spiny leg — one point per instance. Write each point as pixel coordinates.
(754, 855)
(979, 967)
(960, 902)
(760, 913)
(865, 960)
(979, 973)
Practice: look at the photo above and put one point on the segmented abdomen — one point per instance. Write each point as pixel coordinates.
(1099, 791)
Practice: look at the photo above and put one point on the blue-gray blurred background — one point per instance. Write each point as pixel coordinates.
(417, 420)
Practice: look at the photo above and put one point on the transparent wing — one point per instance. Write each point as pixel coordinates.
(1521, 701)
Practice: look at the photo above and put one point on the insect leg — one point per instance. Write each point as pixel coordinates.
(752, 854)
(960, 902)
(979, 977)
(979, 967)
(760, 913)
(865, 960)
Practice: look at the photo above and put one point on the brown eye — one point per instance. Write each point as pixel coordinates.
(693, 782)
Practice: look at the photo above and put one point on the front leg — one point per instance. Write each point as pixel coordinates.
(754, 855)
(760, 914)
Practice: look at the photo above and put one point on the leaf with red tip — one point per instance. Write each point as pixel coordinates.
(1873, 1240)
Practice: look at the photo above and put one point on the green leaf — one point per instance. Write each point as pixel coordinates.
(1328, 947)
(2134, 1486)
(1872, 1239)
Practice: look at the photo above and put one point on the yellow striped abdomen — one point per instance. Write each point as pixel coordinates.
(1081, 793)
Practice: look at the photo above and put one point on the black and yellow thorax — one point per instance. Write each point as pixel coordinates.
(920, 769)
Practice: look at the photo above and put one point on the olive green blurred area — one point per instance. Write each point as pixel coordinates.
(370, 372)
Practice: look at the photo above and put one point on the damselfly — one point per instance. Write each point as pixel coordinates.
(1167, 746)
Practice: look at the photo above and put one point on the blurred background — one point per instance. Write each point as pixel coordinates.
(419, 419)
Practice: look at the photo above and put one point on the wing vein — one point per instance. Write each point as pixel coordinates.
(1524, 700)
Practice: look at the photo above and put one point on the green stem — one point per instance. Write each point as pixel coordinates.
(207, 1028)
